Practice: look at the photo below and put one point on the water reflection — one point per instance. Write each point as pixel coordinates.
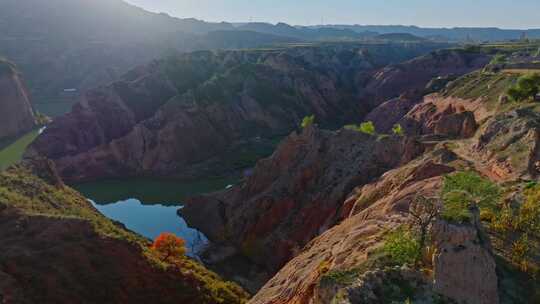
(151, 220)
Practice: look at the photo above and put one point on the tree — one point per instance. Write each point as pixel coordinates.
(397, 130)
(367, 127)
(308, 121)
(527, 86)
(168, 246)
(423, 212)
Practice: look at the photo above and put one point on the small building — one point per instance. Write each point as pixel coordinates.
(537, 97)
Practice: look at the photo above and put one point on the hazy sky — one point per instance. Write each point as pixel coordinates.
(432, 13)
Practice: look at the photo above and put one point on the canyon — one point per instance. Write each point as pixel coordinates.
(350, 166)
(143, 124)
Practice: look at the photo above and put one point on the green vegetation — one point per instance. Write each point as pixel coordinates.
(33, 196)
(307, 121)
(498, 59)
(488, 86)
(519, 224)
(526, 88)
(21, 189)
(13, 152)
(398, 130)
(464, 190)
(366, 127)
(401, 246)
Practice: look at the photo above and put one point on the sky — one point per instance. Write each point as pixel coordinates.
(517, 14)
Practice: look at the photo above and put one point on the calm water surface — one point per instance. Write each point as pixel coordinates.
(149, 206)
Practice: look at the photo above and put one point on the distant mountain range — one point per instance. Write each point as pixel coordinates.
(451, 34)
(72, 45)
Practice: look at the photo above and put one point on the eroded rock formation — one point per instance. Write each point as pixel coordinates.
(297, 193)
(463, 266)
(145, 123)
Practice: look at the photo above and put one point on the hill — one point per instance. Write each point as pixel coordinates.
(56, 248)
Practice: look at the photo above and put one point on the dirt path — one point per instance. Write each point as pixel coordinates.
(463, 149)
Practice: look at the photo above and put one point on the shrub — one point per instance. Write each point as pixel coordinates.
(527, 87)
(398, 130)
(169, 247)
(401, 246)
(307, 121)
(498, 59)
(367, 127)
(462, 189)
(520, 252)
(529, 212)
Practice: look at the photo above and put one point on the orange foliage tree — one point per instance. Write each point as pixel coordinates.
(169, 246)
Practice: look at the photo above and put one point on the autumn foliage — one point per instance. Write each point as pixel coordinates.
(169, 247)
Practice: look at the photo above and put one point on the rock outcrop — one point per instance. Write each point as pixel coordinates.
(510, 142)
(375, 208)
(396, 89)
(297, 193)
(389, 113)
(416, 74)
(17, 116)
(56, 248)
(444, 117)
(463, 267)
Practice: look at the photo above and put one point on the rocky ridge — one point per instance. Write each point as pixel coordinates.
(143, 123)
(297, 193)
(18, 116)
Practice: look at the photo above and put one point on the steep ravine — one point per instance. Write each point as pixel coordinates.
(312, 175)
(296, 193)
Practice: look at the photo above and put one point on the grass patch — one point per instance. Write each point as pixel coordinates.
(464, 189)
(478, 84)
(401, 246)
(12, 153)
